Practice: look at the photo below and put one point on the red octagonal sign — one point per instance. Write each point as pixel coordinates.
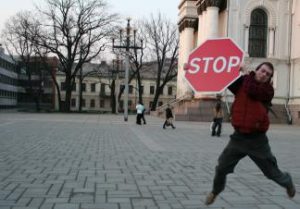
(214, 65)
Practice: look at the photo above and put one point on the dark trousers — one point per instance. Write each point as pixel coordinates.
(143, 118)
(169, 122)
(138, 119)
(257, 148)
(217, 127)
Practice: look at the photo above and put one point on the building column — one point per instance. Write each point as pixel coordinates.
(200, 30)
(271, 41)
(186, 45)
(212, 22)
(201, 23)
(208, 13)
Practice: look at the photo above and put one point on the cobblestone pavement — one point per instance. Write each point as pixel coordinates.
(86, 161)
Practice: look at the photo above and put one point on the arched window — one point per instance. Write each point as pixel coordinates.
(258, 33)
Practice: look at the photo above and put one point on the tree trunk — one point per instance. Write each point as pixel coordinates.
(59, 98)
(154, 104)
(80, 90)
(68, 97)
(113, 96)
(58, 93)
(139, 86)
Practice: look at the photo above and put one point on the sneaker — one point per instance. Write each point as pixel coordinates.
(210, 198)
(291, 191)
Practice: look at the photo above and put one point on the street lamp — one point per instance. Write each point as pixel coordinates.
(127, 45)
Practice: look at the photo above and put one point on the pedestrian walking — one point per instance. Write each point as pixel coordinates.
(217, 119)
(169, 118)
(143, 114)
(139, 112)
(253, 95)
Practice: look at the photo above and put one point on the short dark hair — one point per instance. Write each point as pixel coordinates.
(269, 64)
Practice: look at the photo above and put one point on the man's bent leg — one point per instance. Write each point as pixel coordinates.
(268, 165)
(226, 163)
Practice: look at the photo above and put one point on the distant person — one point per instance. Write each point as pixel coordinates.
(253, 95)
(217, 120)
(169, 118)
(143, 114)
(139, 112)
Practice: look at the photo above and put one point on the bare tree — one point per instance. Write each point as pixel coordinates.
(23, 51)
(75, 31)
(162, 43)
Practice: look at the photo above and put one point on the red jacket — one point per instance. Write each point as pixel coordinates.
(250, 107)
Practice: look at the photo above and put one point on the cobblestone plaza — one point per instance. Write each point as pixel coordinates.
(89, 161)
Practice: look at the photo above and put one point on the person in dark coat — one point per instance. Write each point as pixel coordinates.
(253, 95)
(169, 118)
(217, 120)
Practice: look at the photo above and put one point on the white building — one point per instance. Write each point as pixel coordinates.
(267, 30)
(8, 81)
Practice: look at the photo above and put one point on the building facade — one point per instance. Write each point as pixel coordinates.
(267, 30)
(96, 91)
(18, 91)
(8, 81)
(37, 90)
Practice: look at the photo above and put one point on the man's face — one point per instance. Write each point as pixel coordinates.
(263, 74)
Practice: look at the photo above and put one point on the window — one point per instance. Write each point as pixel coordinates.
(160, 103)
(92, 103)
(122, 87)
(73, 102)
(102, 88)
(74, 87)
(129, 103)
(130, 90)
(151, 89)
(142, 90)
(62, 86)
(258, 33)
(93, 87)
(102, 103)
(83, 87)
(83, 103)
(170, 90)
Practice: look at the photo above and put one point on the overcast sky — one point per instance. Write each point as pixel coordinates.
(127, 8)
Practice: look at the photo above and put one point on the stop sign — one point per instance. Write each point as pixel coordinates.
(214, 65)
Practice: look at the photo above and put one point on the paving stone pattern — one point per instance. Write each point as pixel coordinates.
(86, 161)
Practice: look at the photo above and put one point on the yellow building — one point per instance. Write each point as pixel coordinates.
(96, 90)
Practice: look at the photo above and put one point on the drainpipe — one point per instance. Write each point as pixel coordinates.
(288, 112)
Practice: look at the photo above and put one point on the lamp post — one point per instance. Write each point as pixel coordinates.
(117, 63)
(127, 45)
